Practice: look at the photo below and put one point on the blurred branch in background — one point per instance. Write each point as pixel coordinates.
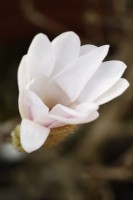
(39, 19)
(120, 7)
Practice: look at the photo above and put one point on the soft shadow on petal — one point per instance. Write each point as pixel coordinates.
(22, 73)
(66, 48)
(74, 78)
(30, 105)
(39, 86)
(104, 78)
(49, 92)
(86, 49)
(40, 57)
(53, 94)
(62, 110)
(32, 135)
(115, 91)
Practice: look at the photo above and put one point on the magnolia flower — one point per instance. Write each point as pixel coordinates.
(61, 83)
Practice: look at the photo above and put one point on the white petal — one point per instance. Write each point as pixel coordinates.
(32, 135)
(38, 86)
(115, 91)
(30, 105)
(104, 78)
(40, 58)
(63, 111)
(86, 49)
(76, 111)
(73, 79)
(22, 73)
(44, 120)
(91, 116)
(58, 110)
(53, 95)
(85, 107)
(66, 47)
(49, 92)
(77, 115)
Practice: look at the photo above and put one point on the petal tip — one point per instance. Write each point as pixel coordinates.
(39, 35)
(106, 47)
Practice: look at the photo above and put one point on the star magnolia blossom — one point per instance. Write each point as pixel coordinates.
(61, 83)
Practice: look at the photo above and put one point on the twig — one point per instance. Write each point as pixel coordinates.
(33, 15)
(101, 173)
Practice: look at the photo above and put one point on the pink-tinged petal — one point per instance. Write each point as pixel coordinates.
(74, 78)
(73, 111)
(115, 91)
(32, 135)
(79, 114)
(64, 121)
(66, 47)
(86, 49)
(22, 73)
(104, 78)
(44, 120)
(40, 57)
(30, 105)
(63, 111)
(59, 110)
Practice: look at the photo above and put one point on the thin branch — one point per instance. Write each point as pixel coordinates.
(39, 19)
(101, 173)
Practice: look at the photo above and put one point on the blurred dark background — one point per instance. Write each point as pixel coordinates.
(96, 162)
